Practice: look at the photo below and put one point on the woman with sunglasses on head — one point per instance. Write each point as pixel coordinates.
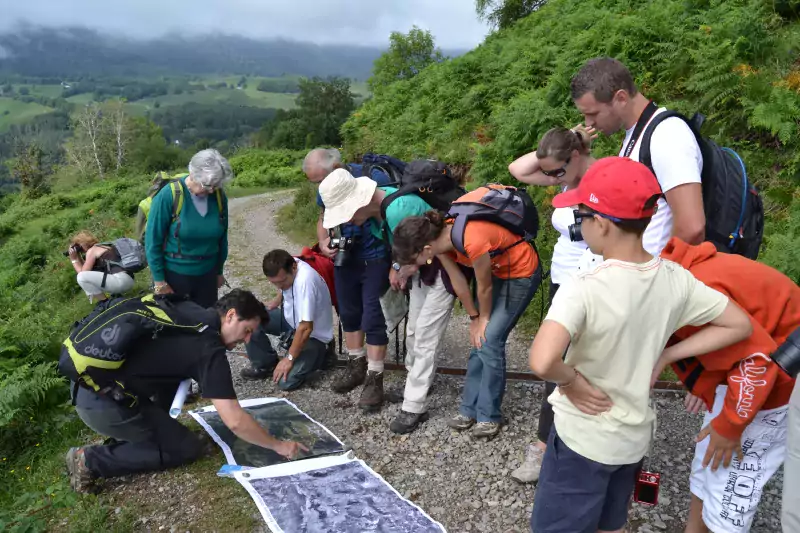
(562, 158)
(186, 239)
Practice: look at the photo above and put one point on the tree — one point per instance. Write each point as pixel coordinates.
(28, 168)
(503, 13)
(85, 149)
(323, 106)
(406, 57)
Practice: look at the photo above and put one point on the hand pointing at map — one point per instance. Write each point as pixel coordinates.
(289, 449)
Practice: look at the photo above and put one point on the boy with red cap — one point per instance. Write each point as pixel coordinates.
(616, 321)
(747, 395)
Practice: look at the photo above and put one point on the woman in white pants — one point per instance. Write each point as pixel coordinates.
(96, 276)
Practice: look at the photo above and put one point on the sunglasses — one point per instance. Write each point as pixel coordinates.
(558, 172)
(580, 215)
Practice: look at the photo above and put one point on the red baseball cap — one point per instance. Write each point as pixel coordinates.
(615, 186)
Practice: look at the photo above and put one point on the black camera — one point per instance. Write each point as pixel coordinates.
(787, 356)
(575, 234)
(75, 248)
(342, 245)
(286, 339)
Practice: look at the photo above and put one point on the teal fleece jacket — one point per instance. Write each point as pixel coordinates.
(203, 240)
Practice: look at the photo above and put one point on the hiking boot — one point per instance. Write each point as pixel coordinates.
(81, 479)
(372, 394)
(394, 395)
(486, 429)
(528, 471)
(253, 374)
(353, 376)
(407, 422)
(460, 422)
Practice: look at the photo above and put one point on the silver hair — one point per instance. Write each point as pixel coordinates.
(328, 159)
(209, 168)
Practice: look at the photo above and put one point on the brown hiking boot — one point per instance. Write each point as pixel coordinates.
(372, 394)
(80, 477)
(353, 376)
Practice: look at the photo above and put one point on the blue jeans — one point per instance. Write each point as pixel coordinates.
(485, 383)
(263, 356)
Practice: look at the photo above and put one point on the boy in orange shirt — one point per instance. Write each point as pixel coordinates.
(746, 393)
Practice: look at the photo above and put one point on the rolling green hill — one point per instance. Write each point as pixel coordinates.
(16, 112)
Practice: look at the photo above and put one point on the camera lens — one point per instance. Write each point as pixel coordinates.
(787, 356)
(575, 234)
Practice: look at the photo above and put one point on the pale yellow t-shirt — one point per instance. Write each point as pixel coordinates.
(619, 317)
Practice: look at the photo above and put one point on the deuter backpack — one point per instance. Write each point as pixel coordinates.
(506, 206)
(733, 208)
(99, 344)
(430, 180)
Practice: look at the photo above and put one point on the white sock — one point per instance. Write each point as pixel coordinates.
(375, 366)
(357, 353)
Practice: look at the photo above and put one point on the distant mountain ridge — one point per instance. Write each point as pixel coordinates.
(76, 51)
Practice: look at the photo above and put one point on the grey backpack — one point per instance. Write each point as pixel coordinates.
(131, 253)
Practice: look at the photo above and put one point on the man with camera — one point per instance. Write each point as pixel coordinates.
(301, 315)
(361, 273)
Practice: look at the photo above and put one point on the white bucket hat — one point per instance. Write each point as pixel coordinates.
(343, 195)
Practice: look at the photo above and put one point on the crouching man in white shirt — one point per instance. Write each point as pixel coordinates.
(301, 316)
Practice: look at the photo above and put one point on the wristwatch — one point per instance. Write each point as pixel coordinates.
(396, 266)
(289, 356)
(475, 317)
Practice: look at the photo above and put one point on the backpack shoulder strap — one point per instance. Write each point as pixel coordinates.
(177, 198)
(457, 233)
(645, 156)
(221, 206)
(388, 199)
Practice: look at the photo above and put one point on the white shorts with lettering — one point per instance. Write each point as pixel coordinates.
(730, 495)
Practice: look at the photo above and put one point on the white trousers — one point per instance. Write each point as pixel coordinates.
(791, 469)
(91, 281)
(731, 495)
(429, 313)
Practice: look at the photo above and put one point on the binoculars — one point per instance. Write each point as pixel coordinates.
(787, 356)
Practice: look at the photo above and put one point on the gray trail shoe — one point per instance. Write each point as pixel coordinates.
(372, 395)
(528, 471)
(353, 376)
(406, 422)
(485, 429)
(460, 422)
(81, 478)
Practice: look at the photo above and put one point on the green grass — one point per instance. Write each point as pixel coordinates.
(81, 99)
(18, 112)
(49, 91)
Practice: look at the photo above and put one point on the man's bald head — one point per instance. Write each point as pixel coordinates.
(320, 162)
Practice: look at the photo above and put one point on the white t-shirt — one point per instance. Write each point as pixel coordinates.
(313, 302)
(566, 253)
(619, 317)
(677, 160)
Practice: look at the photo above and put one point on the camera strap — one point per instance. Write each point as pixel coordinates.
(644, 118)
(646, 461)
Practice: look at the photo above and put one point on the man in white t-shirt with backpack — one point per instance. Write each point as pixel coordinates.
(604, 92)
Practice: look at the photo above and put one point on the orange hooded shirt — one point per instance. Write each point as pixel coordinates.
(773, 302)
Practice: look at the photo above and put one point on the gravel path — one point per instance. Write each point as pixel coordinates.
(461, 482)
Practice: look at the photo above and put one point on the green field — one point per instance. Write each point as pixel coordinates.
(18, 112)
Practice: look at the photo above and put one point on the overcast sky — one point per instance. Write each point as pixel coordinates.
(367, 22)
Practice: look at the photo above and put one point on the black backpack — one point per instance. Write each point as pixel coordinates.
(391, 166)
(733, 208)
(99, 344)
(430, 180)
